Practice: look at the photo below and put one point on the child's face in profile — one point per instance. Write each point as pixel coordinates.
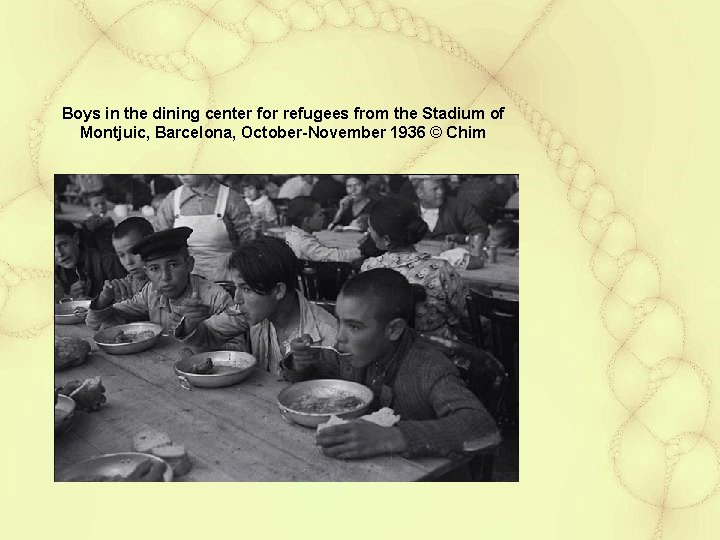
(98, 205)
(316, 222)
(254, 306)
(360, 333)
(251, 192)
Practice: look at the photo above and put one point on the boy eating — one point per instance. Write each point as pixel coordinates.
(439, 415)
(183, 303)
(265, 272)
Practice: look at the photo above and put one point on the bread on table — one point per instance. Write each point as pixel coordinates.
(176, 456)
(70, 352)
(160, 444)
(148, 439)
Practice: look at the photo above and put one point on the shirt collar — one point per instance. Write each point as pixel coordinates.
(158, 300)
(191, 193)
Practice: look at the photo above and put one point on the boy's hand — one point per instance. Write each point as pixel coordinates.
(303, 357)
(194, 312)
(122, 289)
(360, 439)
(106, 298)
(345, 202)
(79, 289)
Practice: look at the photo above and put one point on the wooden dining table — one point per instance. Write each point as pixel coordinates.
(235, 433)
(501, 275)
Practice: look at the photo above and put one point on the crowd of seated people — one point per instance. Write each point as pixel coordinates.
(204, 231)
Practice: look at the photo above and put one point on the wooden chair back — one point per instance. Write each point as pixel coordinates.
(322, 280)
(487, 379)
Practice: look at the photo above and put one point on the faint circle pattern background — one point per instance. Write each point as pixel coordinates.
(634, 310)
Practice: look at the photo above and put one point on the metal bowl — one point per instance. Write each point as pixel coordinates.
(229, 367)
(121, 464)
(71, 311)
(322, 388)
(105, 338)
(64, 409)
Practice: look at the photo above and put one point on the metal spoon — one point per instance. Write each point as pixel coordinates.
(329, 348)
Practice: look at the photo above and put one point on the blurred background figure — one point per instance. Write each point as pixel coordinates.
(353, 204)
(306, 217)
(401, 186)
(262, 208)
(487, 192)
(219, 217)
(296, 186)
(99, 226)
(329, 189)
(445, 216)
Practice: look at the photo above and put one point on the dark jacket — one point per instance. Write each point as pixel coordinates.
(457, 217)
(438, 413)
(327, 191)
(93, 266)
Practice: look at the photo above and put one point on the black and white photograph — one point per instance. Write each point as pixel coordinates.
(286, 327)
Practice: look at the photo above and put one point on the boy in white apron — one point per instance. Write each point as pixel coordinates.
(210, 243)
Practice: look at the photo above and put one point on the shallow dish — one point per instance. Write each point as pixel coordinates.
(64, 409)
(323, 389)
(71, 311)
(229, 367)
(105, 338)
(109, 465)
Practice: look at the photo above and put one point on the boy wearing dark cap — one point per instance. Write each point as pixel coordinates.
(180, 301)
(80, 271)
(439, 415)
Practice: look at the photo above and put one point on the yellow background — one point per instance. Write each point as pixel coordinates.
(618, 100)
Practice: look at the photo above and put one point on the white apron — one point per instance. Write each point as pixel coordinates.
(209, 242)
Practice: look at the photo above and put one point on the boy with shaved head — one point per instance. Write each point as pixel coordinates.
(439, 415)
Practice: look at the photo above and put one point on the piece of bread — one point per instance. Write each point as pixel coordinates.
(332, 421)
(176, 456)
(148, 439)
(385, 417)
(89, 395)
(70, 352)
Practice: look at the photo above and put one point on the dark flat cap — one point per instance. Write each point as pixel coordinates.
(163, 243)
